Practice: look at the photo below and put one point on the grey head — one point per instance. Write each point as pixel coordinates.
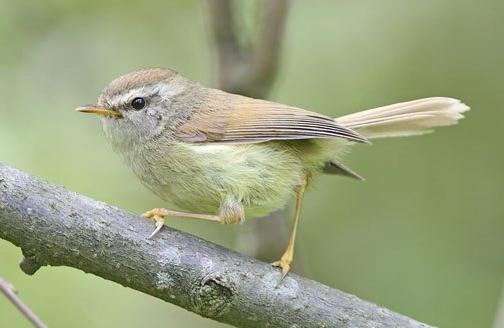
(141, 105)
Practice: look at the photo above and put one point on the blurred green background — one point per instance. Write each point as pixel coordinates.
(423, 236)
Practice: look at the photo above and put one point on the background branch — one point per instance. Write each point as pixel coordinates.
(9, 292)
(249, 68)
(54, 226)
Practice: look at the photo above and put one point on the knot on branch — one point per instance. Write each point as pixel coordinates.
(30, 264)
(213, 297)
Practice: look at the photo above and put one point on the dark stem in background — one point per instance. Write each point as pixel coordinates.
(54, 226)
(249, 69)
(9, 292)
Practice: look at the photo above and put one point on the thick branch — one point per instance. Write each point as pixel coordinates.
(54, 226)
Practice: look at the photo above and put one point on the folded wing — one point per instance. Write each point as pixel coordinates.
(228, 118)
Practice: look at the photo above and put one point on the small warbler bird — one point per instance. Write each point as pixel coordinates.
(224, 157)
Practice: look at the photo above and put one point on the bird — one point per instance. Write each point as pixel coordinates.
(225, 157)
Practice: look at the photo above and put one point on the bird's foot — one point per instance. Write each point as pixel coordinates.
(285, 264)
(159, 216)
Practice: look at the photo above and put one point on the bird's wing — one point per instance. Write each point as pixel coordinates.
(228, 118)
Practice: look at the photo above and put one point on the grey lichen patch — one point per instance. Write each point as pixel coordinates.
(213, 297)
(207, 264)
(164, 281)
(170, 255)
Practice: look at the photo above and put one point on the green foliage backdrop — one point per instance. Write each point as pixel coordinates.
(423, 236)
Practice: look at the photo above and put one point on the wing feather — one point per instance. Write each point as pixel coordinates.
(229, 118)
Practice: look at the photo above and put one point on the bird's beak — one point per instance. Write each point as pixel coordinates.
(98, 110)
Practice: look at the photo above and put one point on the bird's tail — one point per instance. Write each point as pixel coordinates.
(405, 119)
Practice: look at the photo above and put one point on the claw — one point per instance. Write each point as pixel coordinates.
(284, 265)
(158, 215)
(160, 221)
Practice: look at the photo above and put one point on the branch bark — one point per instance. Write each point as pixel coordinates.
(54, 226)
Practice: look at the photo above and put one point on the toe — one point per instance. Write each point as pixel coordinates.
(148, 214)
(160, 221)
(284, 265)
(285, 269)
(160, 212)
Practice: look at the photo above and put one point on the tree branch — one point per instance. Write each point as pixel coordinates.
(9, 292)
(247, 69)
(54, 226)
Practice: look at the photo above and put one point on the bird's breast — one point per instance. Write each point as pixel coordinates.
(198, 177)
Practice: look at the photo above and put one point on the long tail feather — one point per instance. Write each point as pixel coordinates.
(405, 119)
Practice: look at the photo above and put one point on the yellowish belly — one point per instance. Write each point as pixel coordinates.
(199, 178)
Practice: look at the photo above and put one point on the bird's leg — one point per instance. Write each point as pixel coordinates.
(230, 211)
(286, 260)
(159, 216)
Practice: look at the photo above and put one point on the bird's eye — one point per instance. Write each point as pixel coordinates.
(138, 103)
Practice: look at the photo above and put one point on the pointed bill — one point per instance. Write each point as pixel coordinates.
(98, 110)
